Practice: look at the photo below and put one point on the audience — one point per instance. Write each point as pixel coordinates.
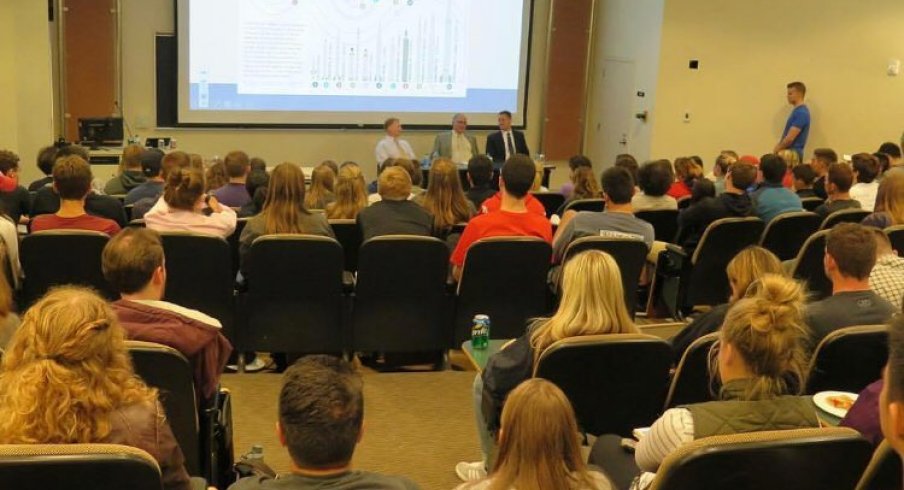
(822, 158)
(67, 378)
(617, 220)
(733, 203)
(891, 399)
(394, 213)
(10, 267)
(444, 198)
(792, 159)
(849, 258)
(895, 162)
(46, 158)
(772, 198)
(133, 264)
(351, 194)
(185, 207)
(592, 304)
(889, 210)
(215, 177)
(803, 181)
(151, 162)
(72, 182)
(512, 216)
(884, 165)
(744, 269)
(233, 193)
(586, 186)
(321, 420)
(629, 163)
(156, 185)
(480, 177)
(538, 444)
(866, 169)
(129, 174)
(414, 175)
(15, 201)
(686, 172)
(538, 186)
(320, 195)
(574, 163)
(284, 211)
(256, 185)
(723, 163)
(838, 186)
(654, 179)
(887, 277)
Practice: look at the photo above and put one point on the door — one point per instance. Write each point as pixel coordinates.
(610, 114)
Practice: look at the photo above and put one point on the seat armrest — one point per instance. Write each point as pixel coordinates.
(348, 282)
(676, 249)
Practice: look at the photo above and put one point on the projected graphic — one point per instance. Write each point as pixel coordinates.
(411, 48)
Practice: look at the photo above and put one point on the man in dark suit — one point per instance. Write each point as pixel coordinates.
(506, 142)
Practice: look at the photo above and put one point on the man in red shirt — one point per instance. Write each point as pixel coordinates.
(493, 203)
(72, 181)
(512, 218)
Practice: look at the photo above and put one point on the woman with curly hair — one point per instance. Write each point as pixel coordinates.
(67, 378)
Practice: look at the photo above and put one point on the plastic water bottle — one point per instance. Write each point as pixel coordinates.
(480, 332)
(256, 453)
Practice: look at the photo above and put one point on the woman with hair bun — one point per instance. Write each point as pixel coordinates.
(185, 207)
(761, 360)
(67, 379)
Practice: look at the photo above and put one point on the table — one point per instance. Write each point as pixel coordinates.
(463, 176)
(480, 357)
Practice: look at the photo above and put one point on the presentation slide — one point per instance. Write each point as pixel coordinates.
(351, 62)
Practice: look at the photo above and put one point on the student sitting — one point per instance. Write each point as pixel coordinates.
(686, 172)
(574, 163)
(720, 170)
(802, 184)
(887, 277)
(129, 174)
(185, 207)
(233, 193)
(586, 186)
(351, 194)
(838, 186)
(394, 213)
(654, 179)
(480, 176)
(46, 157)
(772, 198)
(889, 209)
(72, 182)
(151, 162)
(444, 198)
(15, 202)
(320, 195)
(866, 169)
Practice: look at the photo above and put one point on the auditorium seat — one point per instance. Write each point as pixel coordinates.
(844, 216)
(551, 201)
(506, 279)
(67, 466)
(348, 233)
(55, 257)
(233, 241)
(848, 359)
(896, 236)
(808, 266)
(692, 381)
(884, 470)
(787, 232)
(585, 205)
(664, 221)
(811, 203)
(615, 382)
(630, 255)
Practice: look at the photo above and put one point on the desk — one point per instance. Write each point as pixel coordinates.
(463, 176)
(480, 357)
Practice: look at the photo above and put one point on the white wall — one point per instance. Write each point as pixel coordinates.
(142, 19)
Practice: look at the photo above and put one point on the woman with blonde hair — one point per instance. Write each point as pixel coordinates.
(284, 211)
(743, 270)
(321, 192)
(761, 360)
(444, 198)
(792, 159)
(889, 209)
(351, 193)
(538, 444)
(185, 207)
(538, 178)
(67, 378)
(593, 303)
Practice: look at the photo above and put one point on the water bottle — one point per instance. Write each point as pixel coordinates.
(480, 332)
(256, 453)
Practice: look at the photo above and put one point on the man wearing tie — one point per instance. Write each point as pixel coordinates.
(392, 146)
(456, 144)
(507, 142)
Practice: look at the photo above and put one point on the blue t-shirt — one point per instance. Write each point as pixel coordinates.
(799, 118)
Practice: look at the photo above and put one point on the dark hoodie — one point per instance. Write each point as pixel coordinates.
(692, 222)
(122, 184)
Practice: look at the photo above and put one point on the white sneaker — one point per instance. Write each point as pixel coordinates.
(471, 471)
(256, 365)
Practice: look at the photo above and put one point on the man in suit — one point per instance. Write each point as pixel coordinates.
(456, 145)
(506, 142)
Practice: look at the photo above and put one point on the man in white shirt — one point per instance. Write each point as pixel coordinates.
(506, 142)
(391, 146)
(456, 144)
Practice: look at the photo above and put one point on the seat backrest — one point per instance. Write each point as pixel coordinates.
(586, 205)
(844, 216)
(591, 370)
(811, 203)
(629, 254)
(401, 303)
(799, 459)
(787, 232)
(199, 275)
(664, 221)
(808, 265)
(294, 297)
(721, 241)
(169, 371)
(233, 241)
(348, 233)
(883, 471)
(692, 382)
(849, 359)
(55, 257)
(505, 278)
(551, 201)
(896, 236)
(66, 466)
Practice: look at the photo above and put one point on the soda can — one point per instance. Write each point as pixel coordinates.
(480, 332)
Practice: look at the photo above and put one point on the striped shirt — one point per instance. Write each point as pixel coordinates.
(672, 430)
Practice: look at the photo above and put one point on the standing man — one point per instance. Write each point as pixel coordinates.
(457, 145)
(797, 129)
(392, 146)
(506, 142)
